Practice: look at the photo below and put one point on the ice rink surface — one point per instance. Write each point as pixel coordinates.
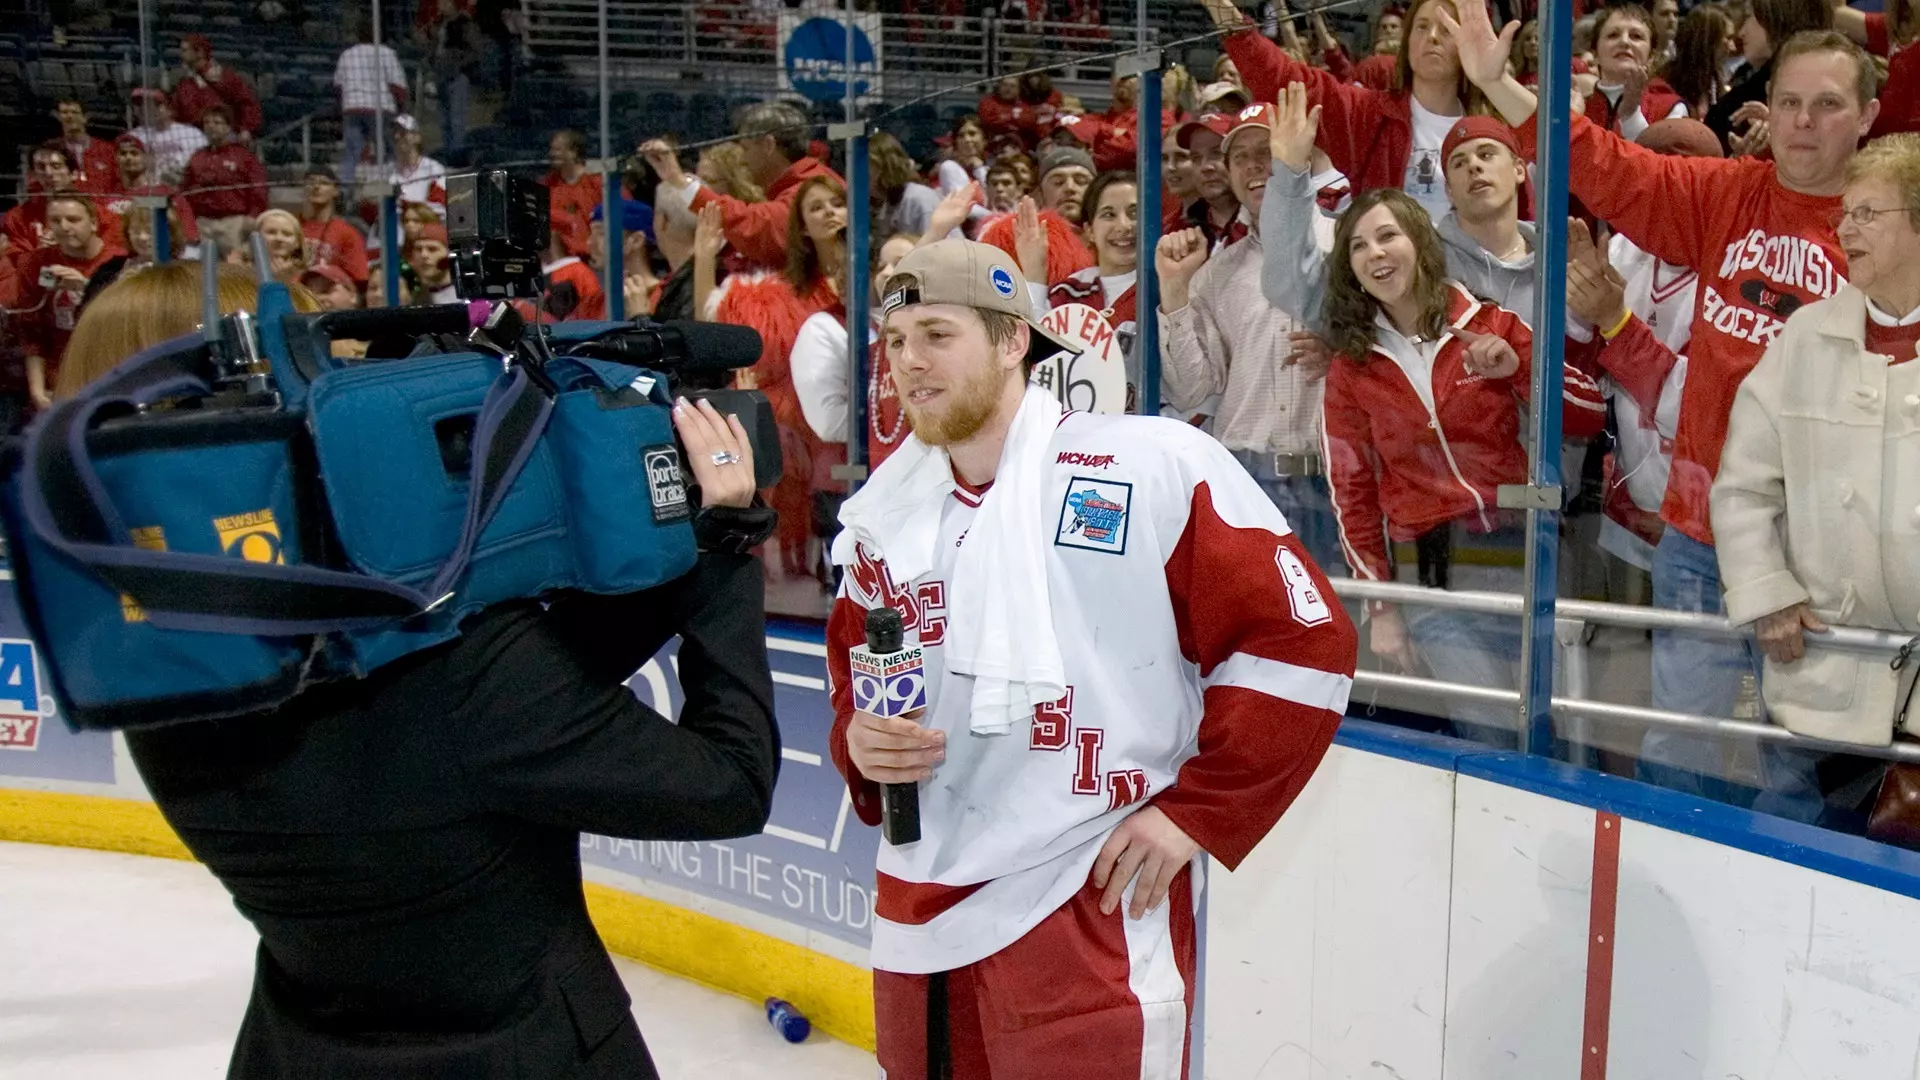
(116, 966)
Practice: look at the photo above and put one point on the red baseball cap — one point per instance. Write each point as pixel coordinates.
(433, 232)
(128, 138)
(1470, 128)
(330, 272)
(1253, 116)
(1220, 124)
(1084, 129)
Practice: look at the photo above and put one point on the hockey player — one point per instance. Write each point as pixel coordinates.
(1130, 658)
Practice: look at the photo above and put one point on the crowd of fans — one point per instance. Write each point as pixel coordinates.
(1347, 276)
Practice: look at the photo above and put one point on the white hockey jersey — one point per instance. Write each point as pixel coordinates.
(1208, 665)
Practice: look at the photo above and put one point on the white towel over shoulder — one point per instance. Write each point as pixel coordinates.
(1000, 615)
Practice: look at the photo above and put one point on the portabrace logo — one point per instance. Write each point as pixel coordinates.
(1002, 279)
(22, 709)
(666, 487)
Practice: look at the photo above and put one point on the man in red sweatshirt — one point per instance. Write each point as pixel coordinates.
(225, 184)
(96, 156)
(1761, 236)
(207, 83)
(54, 172)
(773, 135)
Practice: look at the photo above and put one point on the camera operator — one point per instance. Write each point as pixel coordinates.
(408, 845)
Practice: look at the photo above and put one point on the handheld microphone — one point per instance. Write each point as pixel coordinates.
(889, 680)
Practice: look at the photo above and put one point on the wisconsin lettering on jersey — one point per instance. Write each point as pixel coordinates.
(1774, 275)
(922, 610)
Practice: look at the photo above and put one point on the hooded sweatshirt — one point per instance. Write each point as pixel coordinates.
(1509, 284)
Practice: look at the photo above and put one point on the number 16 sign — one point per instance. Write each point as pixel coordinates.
(1096, 379)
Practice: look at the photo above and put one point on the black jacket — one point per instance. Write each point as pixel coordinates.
(408, 846)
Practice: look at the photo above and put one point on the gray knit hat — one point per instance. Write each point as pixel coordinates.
(1063, 157)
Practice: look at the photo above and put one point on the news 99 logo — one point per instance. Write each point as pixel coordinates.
(889, 686)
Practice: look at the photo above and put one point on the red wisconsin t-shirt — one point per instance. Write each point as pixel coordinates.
(1762, 252)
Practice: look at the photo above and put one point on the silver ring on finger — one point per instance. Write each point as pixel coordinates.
(724, 457)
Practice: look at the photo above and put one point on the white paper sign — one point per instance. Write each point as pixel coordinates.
(1094, 381)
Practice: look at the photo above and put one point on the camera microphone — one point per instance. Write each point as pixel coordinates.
(684, 348)
(889, 680)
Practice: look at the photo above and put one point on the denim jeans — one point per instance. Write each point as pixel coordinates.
(453, 112)
(360, 128)
(1476, 649)
(1696, 674)
(1307, 507)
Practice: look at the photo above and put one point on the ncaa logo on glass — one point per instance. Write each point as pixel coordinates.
(1002, 279)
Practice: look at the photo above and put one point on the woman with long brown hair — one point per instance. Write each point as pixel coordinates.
(1421, 417)
(1701, 48)
(777, 305)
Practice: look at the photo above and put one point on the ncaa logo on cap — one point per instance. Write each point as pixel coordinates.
(1002, 279)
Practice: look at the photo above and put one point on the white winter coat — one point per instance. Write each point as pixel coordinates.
(1818, 500)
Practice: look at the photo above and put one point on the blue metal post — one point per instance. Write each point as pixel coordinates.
(1549, 365)
(613, 216)
(859, 239)
(390, 245)
(162, 233)
(1146, 343)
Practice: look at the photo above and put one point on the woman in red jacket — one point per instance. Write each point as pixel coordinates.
(1421, 426)
(777, 305)
(1376, 138)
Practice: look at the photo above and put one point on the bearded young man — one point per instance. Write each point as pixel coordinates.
(1130, 658)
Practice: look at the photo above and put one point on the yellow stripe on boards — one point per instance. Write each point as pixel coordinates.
(835, 995)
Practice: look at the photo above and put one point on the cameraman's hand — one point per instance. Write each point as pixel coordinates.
(896, 751)
(706, 435)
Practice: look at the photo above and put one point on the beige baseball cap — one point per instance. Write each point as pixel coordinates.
(971, 275)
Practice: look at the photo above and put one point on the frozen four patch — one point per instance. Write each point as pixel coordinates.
(1093, 516)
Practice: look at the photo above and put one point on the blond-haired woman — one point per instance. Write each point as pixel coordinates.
(146, 307)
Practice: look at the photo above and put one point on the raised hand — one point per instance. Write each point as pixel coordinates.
(952, 212)
(1295, 127)
(1030, 241)
(709, 236)
(1488, 356)
(1224, 14)
(1595, 290)
(1483, 53)
(1179, 256)
(665, 161)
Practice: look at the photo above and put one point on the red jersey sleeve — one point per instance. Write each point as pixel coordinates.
(1661, 202)
(350, 251)
(756, 230)
(1353, 475)
(846, 628)
(1350, 115)
(1275, 656)
(1639, 362)
(1338, 64)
